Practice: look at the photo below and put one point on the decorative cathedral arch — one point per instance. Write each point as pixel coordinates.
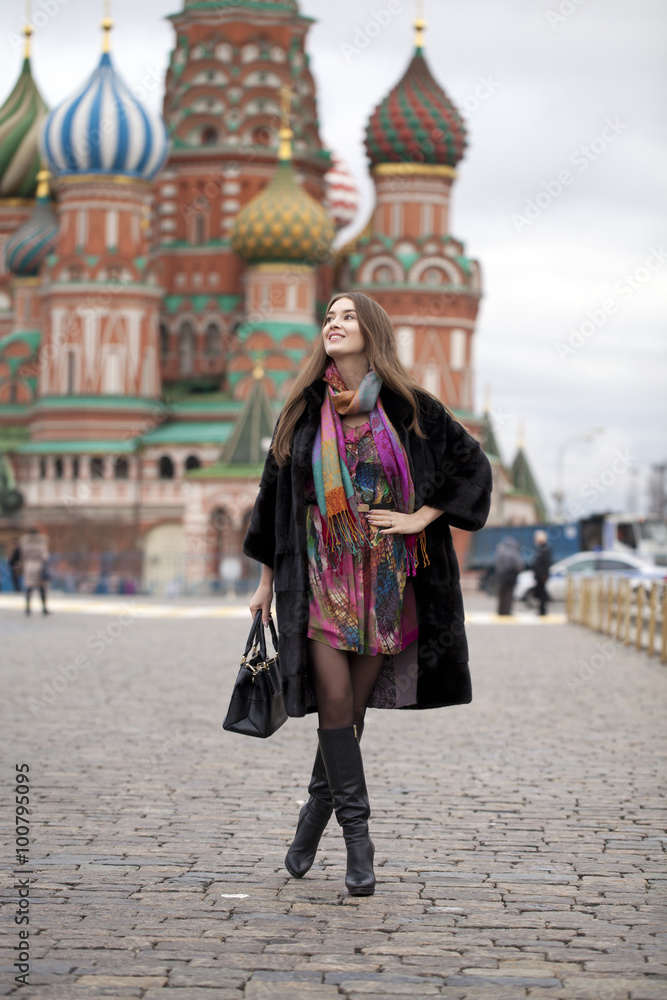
(186, 348)
(448, 270)
(165, 467)
(372, 272)
(210, 136)
(212, 339)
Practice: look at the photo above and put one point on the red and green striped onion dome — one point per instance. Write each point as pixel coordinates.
(416, 122)
(21, 117)
(283, 223)
(27, 248)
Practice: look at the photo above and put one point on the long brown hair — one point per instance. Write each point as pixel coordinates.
(380, 341)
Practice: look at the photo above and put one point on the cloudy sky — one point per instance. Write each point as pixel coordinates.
(561, 196)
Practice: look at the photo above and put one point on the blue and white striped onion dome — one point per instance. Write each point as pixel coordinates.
(103, 129)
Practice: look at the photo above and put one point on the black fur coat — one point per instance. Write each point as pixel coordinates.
(450, 472)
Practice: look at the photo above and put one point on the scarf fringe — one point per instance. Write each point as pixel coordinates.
(413, 545)
(341, 533)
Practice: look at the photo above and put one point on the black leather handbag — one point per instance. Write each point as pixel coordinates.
(257, 707)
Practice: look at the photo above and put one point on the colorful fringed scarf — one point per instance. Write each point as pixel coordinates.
(343, 527)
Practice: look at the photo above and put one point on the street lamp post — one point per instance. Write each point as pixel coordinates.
(559, 492)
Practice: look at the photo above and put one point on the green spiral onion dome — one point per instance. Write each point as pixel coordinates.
(416, 122)
(21, 117)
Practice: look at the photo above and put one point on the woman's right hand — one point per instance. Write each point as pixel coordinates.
(263, 596)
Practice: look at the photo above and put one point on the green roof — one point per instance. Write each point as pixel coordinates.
(190, 432)
(489, 442)
(524, 482)
(225, 471)
(253, 427)
(226, 303)
(99, 403)
(280, 330)
(76, 448)
(226, 407)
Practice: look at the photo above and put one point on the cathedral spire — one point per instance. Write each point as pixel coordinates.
(286, 134)
(107, 25)
(419, 26)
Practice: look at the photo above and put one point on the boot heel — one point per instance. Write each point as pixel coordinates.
(345, 771)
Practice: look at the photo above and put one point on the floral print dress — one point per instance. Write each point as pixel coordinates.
(363, 605)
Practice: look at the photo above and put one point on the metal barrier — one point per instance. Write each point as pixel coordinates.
(164, 574)
(632, 612)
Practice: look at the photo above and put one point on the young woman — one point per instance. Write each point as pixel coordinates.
(364, 476)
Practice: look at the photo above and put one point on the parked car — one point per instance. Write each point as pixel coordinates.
(587, 564)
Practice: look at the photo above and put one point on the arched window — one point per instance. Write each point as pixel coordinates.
(212, 339)
(209, 136)
(97, 468)
(164, 340)
(262, 136)
(192, 462)
(58, 468)
(166, 468)
(186, 349)
(75, 468)
(42, 468)
(121, 469)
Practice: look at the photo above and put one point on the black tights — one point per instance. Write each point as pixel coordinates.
(343, 684)
(42, 593)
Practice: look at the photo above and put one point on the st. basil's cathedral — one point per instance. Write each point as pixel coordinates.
(162, 279)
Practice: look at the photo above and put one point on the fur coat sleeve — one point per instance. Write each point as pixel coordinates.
(451, 471)
(260, 539)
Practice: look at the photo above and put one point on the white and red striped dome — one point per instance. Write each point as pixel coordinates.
(342, 200)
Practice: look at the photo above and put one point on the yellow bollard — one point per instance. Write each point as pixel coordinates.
(653, 602)
(640, 615)
(619, 611)
(610, 604)
(663, 653)
(568, 598)
(627, 611)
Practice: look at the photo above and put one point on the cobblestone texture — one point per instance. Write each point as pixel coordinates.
(519, 840)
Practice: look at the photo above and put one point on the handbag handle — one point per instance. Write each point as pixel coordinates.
(258, 638)
(252, 638)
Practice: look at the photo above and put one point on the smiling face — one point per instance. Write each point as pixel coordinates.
(341, 334)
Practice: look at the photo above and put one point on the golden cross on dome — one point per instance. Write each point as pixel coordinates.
(286, 134)
(107, 25)
(28, 30)
(419, 25)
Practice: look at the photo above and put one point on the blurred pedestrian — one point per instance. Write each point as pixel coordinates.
(540, 566)
(35, 562)
(509, 564)
(15, 566)
(365, 474)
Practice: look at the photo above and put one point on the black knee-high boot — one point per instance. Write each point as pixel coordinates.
(345, 771)
(313, 819)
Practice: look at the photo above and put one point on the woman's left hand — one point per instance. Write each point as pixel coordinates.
(391, 522)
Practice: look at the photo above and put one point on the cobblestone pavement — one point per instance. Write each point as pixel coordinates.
(519, 840)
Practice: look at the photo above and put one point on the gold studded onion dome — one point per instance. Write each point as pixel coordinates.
(283, 223)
